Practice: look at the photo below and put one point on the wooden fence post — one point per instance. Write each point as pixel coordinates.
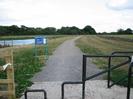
(10, 93)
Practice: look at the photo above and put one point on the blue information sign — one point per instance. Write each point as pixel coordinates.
(39, 40)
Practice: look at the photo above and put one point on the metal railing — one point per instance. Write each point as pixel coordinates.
(108, 70)
(129, 80)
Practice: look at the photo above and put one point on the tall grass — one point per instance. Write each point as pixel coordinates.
(25, 67)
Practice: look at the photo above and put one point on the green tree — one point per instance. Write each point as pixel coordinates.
(74, 30)
(88, 30)
(49, 31)
(63, 30)
(128, 31)
(14, 29)
(3, 30)
(69, 30)
(120, 31)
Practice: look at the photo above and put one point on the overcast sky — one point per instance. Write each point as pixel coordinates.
(103, 15)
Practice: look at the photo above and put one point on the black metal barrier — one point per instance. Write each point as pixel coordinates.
(35, 90)
(108, 70)
(109, 66)
(129, 80)
(63, 84)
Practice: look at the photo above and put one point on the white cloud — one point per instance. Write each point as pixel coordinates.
(117, 2)
(120, 4)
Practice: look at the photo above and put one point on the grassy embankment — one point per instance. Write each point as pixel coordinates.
(25, 64)
(96, 45)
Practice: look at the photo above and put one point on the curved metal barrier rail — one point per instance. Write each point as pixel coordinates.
(36, 90)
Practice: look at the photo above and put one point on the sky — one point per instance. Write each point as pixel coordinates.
(103, 15)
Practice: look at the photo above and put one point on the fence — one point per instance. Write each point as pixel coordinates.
(9, 82)
(108, 70)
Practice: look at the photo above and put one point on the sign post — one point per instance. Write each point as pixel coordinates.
(41, 47)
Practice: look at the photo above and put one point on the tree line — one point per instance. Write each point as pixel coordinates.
(120, 32)
(23, 30)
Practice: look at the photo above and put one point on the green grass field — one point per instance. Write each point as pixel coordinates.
(25, 64)
(104, 45)
(95, 44)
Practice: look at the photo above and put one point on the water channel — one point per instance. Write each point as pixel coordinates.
(19, 42)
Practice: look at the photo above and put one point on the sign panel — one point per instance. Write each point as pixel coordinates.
(39, 40)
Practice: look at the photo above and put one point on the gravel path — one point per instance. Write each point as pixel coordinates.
(65, 64)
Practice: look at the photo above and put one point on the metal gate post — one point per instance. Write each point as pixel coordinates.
(83, 76)
(129, 80)
(62, 91)
(109, 71)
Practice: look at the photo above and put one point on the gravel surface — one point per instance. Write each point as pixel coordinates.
(95, 89)
(65, 64)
